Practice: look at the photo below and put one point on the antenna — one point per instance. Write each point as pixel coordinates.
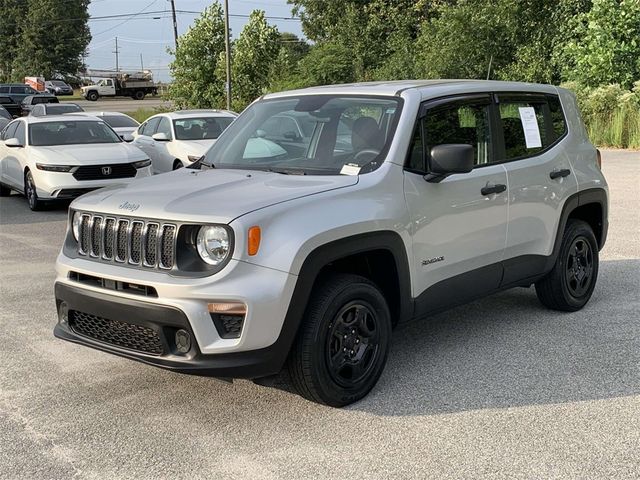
(489, 69)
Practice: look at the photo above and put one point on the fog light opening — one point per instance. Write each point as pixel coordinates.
(63, 313)
(183, 341)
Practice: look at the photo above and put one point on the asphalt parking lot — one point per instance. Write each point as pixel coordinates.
(498, 388)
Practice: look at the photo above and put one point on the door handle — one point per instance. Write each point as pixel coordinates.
(559, 173)
(491, 189)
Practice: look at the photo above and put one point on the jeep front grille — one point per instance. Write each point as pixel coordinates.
(136, 242)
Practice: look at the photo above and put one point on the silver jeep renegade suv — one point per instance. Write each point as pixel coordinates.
(322, 218)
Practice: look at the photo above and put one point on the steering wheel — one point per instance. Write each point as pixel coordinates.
(368, 154)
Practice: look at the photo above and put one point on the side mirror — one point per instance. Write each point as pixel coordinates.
(127, 137)
(291, 136)
(13, 143)
(160, 137)
(448, 159)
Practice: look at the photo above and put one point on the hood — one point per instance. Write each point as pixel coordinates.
(94, 154)
(194, 147)
(206, 196)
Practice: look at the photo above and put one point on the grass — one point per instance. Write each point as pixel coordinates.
(619, 129)
(142, 114)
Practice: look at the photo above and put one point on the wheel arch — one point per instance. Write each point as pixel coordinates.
(340, 254)
(589, 205)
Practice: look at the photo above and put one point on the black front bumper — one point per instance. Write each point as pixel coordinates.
(164, 321)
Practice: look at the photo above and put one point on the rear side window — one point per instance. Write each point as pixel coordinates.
(558, 121)
(523, 127)
(4, 89)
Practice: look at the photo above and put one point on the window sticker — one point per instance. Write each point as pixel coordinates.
(530, 127)
(350, 169)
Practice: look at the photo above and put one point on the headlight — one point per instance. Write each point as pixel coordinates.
(75, 225)
(142, 163)
(54, 168)
(194, 158)
(213, 244)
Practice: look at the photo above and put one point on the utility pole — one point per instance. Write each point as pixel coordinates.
(141, 63)
(227, 46)
(117, 51)
(175, 23)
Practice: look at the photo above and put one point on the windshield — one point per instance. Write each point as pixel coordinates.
(60, 109)
(120, 121)
(58, 83)
(71, 133)
(201, 128)
(313, 134)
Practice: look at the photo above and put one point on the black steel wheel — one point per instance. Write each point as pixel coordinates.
(139, 95)
(31, 193)
(93, 96)
(343, 342)
(569, 285)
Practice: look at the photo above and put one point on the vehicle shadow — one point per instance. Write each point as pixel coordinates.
(509, 351)
(14, 210)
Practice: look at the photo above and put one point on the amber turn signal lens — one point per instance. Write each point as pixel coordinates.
(228, 308)
(254, 240)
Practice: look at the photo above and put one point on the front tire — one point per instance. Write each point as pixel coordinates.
(569, 285)
(343, 342)
(92, 96)
(31, 193)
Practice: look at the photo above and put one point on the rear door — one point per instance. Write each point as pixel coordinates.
(540, 178)
(459, 227)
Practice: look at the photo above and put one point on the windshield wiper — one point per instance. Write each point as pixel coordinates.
(284, 171)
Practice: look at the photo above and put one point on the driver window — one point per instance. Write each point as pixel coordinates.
(20, 133)
(461, 123)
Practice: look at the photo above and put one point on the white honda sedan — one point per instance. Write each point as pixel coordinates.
(61, 157)
(176, 140)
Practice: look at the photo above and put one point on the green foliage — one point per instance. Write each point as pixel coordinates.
(198, 80)
(607, 44)
(42, 38)
(254, 52)
(611, 114)
(327, 63)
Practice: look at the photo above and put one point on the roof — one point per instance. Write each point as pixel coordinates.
(200, 113)
(394, 88)
(77, 116)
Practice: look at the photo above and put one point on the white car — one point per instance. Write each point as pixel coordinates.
(61, 157)
(176, 140)
(122, 124)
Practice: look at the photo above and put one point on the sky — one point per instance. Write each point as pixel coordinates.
(142, 34)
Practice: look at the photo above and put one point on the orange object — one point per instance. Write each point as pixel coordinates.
(254, 240)
(228, 308)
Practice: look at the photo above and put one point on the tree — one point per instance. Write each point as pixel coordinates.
(254, 52)
(326, 64)
(198, 81)
(606, 48)
(52, 37)
(9, 36)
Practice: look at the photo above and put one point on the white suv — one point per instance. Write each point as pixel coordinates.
(175, 140)
(393, 201)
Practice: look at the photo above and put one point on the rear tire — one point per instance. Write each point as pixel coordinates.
(343, 341)
(93, 96)
(4, 191)
(569, 285)
(139, 95)
(31, 193)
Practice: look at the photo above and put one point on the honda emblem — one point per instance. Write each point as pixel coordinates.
(106, 171)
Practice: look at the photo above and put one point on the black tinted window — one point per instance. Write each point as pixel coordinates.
(61, 108)
(461, 123)
(558, 121)
(119, 121)
(4, 89)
